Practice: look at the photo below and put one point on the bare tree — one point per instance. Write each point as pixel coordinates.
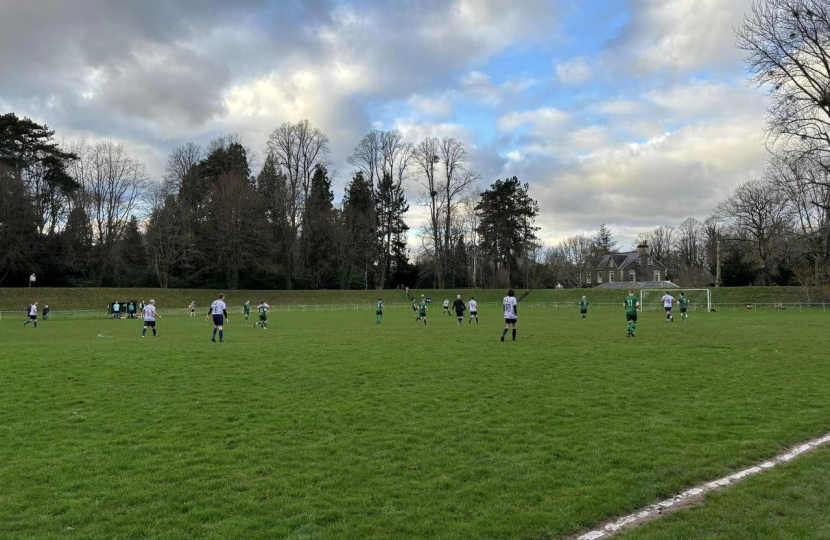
(113, 188)
(390, 195)
(577, 250)
(759, 213)
(368, 156)
(427, 159)
(164, 236)
(788, 53)
(297, 149)
(180, 162)
(661, 242)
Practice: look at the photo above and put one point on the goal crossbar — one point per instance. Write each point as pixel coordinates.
(695, 301)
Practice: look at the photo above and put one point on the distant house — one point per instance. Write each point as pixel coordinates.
(635, 267)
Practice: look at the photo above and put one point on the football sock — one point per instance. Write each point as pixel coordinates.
(514, 334)
(144, 332)
(504, 333)
(214, 334)
(35, 324)
(154, 332)
(221, 334)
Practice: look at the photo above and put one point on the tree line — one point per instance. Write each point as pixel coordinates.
(88, 214)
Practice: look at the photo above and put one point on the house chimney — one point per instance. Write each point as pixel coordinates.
(642, 248)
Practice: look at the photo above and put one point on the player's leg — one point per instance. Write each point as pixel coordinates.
(506, 329)
(144, 330)
(514, 331)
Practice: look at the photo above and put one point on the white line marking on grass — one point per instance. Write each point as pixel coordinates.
(694, 495)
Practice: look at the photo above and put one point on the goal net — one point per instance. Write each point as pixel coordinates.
(699, 299)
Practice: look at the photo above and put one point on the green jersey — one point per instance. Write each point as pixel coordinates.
(380, 307)
(684, 302)
(246, 307)
(631, 304)
(263, 310)
(583, 305)
(422, 307)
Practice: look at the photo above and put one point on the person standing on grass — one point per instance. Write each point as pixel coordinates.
(583, 308)
(263, 315)
(45, 312)
(422, 310)
(473, 309)
(511, 313)
(219, 311)
(193, 308)
(668, 302)
(379, 312)
(446, 306)
(32, 315)
(141, 306)
(631, 304)
(459, 308)
(150, 315)
(684, 306)
(415, 308)
(116, 310)
(32, 280)
(246, 309)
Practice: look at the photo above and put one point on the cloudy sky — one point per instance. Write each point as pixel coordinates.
(630, 112)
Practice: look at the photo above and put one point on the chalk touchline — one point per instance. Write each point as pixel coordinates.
(693, 495)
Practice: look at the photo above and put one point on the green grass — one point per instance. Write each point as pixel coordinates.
(328, 426)
(16, 299)
(787, 503)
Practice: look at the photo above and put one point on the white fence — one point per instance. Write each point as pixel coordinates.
(485, 306)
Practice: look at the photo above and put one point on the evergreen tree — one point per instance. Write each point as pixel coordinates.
(604, 241)
(390, 201)
(319, 233)
(359, 219)
(506, 216)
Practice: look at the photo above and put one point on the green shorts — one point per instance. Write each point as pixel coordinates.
(263, 317)
(632, 317)
(583, 311)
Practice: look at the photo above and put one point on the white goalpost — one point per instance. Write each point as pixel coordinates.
(699, 299)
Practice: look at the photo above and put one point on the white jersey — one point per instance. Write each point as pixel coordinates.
(446, 303)
(150, 313)
(668, 300)
(218, 307)
(510, 304)
(473, 306)
(32, 311)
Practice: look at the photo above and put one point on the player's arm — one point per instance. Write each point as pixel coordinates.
(207, 316)
(158, 315)
(225, 312)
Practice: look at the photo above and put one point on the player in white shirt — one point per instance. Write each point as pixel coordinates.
(150, 315)
(32, 315)
(473, 305)
(447, 306)
(668, 302)
(219, 311)
(511, 313)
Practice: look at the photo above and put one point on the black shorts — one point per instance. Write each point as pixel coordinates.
(583, 311)
(510, 321)
(667, 308)
(473, 313)
(218, 320)
(631, 317)
(32, 317)
(459, 313)
(151, 324)
(683, 310)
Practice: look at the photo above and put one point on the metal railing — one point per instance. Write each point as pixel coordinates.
(486, 306)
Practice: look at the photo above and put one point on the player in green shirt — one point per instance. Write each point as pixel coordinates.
(246, 308)
(632, 304)
(422, 310)
(684, 305)
(379, 312)
(583, 308)
(263, 315)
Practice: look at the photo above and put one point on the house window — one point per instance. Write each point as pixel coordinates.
(599, 277)
(611, 264)
(611, 277)
(650, 261)
(632, 276)
(657, 275)
(588, 278)
(639, 262)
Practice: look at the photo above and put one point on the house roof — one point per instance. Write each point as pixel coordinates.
(623, 260)
(638, 285)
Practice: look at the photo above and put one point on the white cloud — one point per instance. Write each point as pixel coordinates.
(574, 71)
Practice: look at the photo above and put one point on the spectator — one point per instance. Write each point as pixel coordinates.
(32, 280)
(116, 310)
(45, 312)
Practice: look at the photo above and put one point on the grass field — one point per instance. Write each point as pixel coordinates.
(16, 299)
(328, 426)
